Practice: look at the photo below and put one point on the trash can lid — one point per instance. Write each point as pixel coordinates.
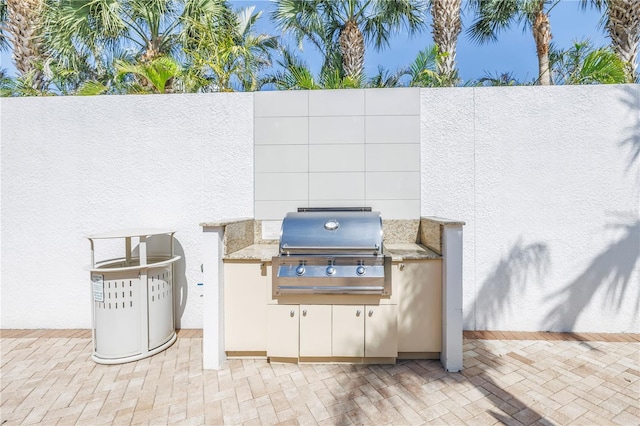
(133, 232)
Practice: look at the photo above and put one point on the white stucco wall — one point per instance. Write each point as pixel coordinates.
(74, 166)
(544, 178)
(548, 182)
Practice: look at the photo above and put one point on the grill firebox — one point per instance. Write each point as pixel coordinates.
(331, 251)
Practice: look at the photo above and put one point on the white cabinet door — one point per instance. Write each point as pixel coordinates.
(381, 331)
(347, 328)
(282, 331)
(245, 313)
(419, 286)
(315, 330)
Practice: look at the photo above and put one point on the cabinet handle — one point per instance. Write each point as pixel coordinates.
(292, 313)
(371, 312)
(304, 313)
(358, 313)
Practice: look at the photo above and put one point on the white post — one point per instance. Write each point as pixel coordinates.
(451, 355)
(213, 354)
(144, 294)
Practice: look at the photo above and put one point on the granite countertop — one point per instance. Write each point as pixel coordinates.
(409, 251)
(223, 222)
(261, 252)
(444, 221)
(397, 251)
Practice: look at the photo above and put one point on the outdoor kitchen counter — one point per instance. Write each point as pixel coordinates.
(255, 252)
(409, 251)
(398, 251)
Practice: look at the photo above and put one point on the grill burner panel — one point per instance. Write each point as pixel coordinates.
(317, 275)
(331, 252)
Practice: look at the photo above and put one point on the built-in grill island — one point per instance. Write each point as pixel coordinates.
(331, 251)
(333, 285)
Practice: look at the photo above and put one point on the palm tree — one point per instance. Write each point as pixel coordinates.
(295, 75)
(424, 70)
(7, 84)
(583, 64)
(347, 25)
(227, 51)
(88, 36)
(493, 16)
(156, 75)
(623, 27)
(4, 42)
(498, 79)
(386, 78)
(23, 23)
(446, 27)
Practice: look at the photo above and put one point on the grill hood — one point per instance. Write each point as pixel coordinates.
(340, 233)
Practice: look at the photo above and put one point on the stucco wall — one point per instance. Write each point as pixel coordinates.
(545, 179)
(548, 182)
(74, 166)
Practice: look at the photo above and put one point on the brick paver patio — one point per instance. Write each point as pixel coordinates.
(48, 377)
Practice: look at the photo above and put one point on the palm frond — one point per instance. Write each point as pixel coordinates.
(157, 73)
(584, 64)
(91, 88)
(492, 16)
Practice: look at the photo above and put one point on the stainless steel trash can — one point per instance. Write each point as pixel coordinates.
(132, 299)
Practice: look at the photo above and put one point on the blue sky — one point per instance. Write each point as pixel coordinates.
(514, 52)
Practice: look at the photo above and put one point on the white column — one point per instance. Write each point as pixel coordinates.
(213, 354)
(451, 355)
(144, 294)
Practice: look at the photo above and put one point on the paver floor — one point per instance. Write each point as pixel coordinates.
(51, 379)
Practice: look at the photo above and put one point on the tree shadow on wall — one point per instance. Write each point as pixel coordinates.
(632, 141)
(610, 270)
(510, 277)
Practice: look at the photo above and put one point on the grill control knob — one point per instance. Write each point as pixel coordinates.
(331, 270)
(300, 270)
(360, 270)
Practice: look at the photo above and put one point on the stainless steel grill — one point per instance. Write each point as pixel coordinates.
(331, 251)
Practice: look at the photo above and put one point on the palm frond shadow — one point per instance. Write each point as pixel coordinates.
(632, 141)
(611, 270)
(509, 277)
(416, 385)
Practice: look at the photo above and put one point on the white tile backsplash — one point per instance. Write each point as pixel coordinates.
(392, 129)
(281, 186)
(336, 158)
(337, 148)
(336, 102)
(396, 209)
(282, 103)
(277, 210)
(397, 101)
(281, 130)
(392, 158)
(393, 186)
(338, 203)
(334, 130)
(282, 158)
(336, 186)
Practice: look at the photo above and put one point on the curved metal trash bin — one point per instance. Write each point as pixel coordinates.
(132, 299)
